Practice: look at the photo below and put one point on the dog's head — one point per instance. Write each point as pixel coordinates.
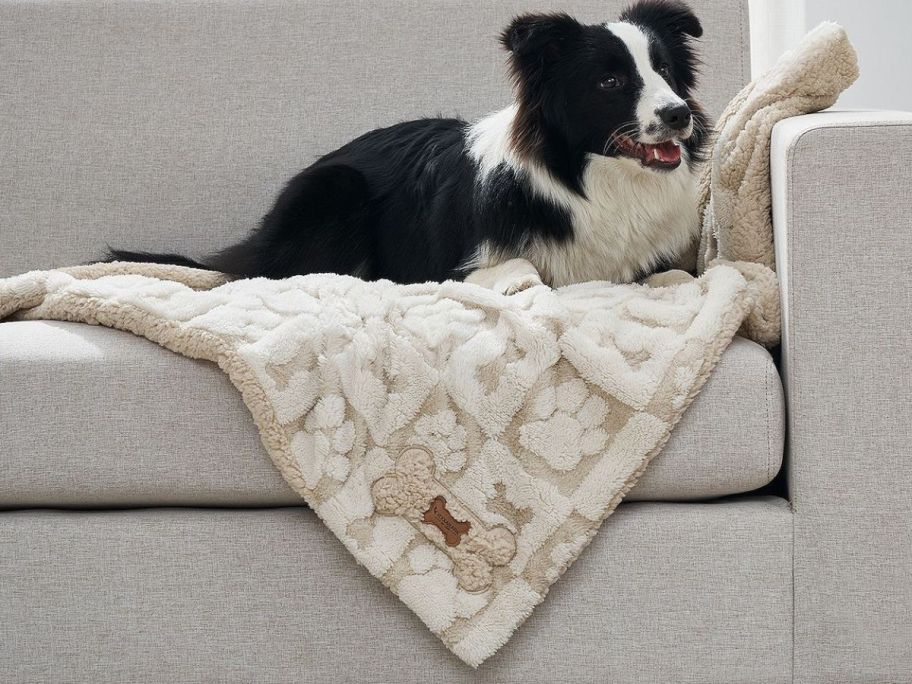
(620, 89)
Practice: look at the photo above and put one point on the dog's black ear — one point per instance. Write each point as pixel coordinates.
(666, 17)
(540, 34)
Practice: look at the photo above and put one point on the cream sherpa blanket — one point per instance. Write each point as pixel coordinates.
(735, 186)
(464, 445)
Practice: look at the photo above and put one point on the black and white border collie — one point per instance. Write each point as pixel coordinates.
(589, 175)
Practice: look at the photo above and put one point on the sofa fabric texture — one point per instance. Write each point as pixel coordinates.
(843, 217)
(689, 594)
(172, 431)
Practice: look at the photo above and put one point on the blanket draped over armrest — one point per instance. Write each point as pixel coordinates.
(464, 445)
(735, 197)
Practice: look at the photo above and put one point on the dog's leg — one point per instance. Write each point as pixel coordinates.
(319, 224)
(668, 278)
(507, 278)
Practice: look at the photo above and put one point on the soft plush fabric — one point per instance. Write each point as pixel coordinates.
(688, 594)
(188, 439)
(735, 185)
(464, 445)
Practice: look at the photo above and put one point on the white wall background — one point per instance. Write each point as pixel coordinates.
(881, 31)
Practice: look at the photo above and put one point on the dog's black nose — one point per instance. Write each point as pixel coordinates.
(675, 116)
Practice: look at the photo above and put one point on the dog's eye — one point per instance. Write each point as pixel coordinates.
(611, 82)
(665, 70)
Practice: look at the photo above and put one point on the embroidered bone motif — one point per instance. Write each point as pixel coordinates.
(410, 491)
(443, 520)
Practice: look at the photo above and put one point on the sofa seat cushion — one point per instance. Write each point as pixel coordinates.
(94, 417)
(665, 593)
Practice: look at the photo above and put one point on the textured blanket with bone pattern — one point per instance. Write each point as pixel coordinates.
(465, 445)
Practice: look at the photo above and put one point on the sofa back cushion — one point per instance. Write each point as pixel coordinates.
(171, 125)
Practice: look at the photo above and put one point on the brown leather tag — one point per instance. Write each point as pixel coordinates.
(438, 516)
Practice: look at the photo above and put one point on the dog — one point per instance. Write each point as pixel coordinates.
(590, 174)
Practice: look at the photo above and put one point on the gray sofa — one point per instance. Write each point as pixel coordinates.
(171, 124)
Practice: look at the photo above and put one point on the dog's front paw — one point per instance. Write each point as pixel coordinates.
(523, 283)
(508, 278)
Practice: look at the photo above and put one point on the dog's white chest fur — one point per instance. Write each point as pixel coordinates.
(630, 220)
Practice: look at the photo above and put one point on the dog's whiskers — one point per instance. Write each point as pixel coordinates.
(626, 129)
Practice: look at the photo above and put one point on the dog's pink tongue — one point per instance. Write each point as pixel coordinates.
(668, 152)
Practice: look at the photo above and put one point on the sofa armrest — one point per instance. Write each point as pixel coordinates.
(842, 211)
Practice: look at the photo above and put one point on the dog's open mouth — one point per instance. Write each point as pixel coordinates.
(666, 155)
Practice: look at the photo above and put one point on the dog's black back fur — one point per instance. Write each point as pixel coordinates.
(398, 203)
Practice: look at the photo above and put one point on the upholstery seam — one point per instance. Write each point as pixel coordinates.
(744, 76)
(790, 156)
(794, 597)
(769, 427)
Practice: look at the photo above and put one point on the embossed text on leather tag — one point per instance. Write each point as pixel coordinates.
(438, 516)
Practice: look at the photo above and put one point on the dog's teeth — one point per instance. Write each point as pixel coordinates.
(655, 153)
